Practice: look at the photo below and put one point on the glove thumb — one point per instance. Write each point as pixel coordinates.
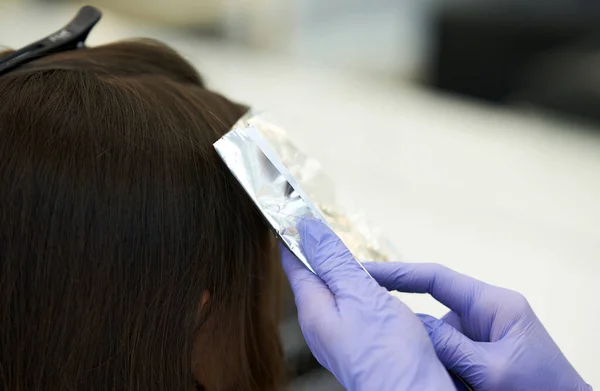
(459, 354)
(331, 259)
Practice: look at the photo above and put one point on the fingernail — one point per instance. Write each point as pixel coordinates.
(312, 233)
(308, 240)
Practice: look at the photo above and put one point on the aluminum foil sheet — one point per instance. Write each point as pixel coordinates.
(287, 186)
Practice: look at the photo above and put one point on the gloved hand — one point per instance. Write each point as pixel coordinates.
(491, 338)
(368, 339)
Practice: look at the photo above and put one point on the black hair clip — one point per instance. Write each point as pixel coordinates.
(70, 37)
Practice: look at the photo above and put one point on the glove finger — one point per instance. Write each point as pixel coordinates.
(331, 259)
(452, 319)
(312, 296)
(459, 354)
(456, 291)
(294, 269)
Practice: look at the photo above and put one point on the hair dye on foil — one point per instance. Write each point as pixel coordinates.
(287, 186)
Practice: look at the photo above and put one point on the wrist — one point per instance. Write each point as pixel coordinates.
(422, 376)
(435, 378)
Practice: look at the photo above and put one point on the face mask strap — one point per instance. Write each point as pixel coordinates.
(70, 37)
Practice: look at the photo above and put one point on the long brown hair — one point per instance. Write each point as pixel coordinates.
(116, 219)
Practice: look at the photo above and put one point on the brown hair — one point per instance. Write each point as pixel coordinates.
(116, 219)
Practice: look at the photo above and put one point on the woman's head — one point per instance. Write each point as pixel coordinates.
(129, 257)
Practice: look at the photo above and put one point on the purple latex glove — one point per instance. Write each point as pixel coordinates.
(368, 339)
(491, 338)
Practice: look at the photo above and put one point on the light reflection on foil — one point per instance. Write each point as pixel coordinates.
(286, 185)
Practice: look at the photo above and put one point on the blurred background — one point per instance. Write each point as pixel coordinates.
(467, 131)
